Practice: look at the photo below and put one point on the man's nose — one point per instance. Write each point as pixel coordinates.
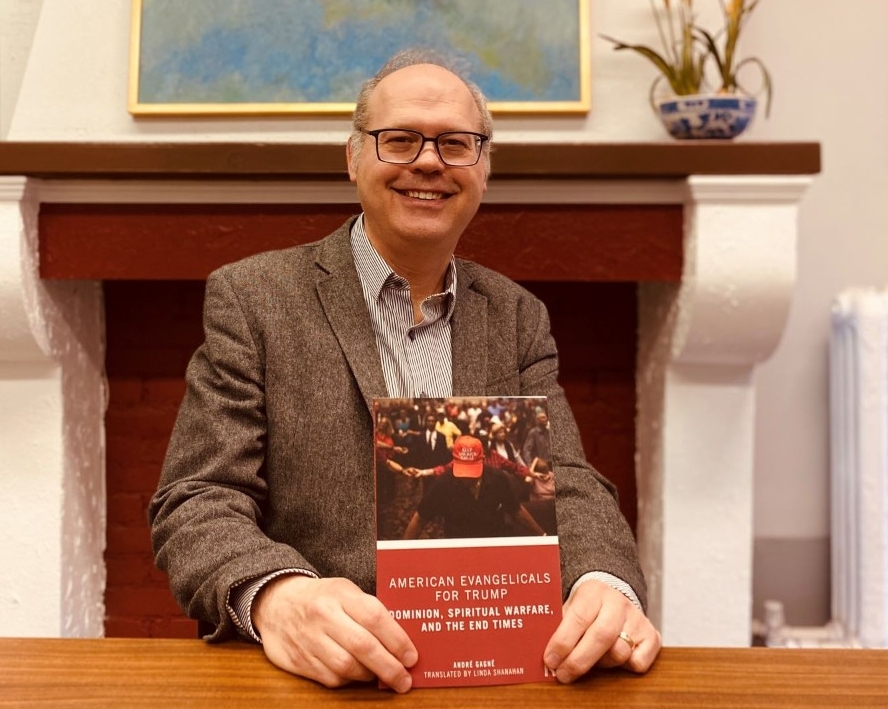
(428, 157)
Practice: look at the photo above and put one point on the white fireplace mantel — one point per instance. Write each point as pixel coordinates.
(700, 341)
(52, 402)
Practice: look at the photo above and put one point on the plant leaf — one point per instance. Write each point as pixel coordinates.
(665, 68)
(767, 86)
(712, 51)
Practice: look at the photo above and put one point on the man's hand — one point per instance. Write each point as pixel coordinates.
(600, 627)
(330, 631)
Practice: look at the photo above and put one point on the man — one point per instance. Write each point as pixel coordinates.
(445, 425)
(429, 448)
(536, 444)
(471, 498)
(263, 519)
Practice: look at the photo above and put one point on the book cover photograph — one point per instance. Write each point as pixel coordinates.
(467, 539)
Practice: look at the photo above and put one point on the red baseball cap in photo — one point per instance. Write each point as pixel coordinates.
(468, 457)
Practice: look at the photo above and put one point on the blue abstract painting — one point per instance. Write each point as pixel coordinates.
(297, 55)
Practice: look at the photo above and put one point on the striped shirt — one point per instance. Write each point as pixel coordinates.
(416, 362)
(416, 358)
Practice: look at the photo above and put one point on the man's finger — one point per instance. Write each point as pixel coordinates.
(378, 642)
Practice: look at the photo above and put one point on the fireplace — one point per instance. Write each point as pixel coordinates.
(666, 280)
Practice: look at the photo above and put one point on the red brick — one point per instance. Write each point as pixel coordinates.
(125, 570)
(140, 422)
(127, 508)
(136, 478)
(164, 393)
(125, 391)
(128, 540)
(173, 627)
(140, 602)
(127, 627)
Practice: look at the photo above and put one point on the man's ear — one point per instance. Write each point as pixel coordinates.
(350, 160)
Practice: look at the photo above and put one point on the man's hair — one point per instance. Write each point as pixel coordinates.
(413, 57)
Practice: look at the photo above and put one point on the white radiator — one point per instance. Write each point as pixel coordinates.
(859, 465)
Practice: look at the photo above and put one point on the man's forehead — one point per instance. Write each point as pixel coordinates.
(419, 74)
(421, 84)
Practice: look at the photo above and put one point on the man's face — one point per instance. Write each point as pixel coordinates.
(426, 204)
(542, 420)
(430, 422)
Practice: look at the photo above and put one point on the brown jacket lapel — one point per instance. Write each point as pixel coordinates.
(339, 290)
(469, 335)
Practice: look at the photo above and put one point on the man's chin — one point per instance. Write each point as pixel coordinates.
(433, 230)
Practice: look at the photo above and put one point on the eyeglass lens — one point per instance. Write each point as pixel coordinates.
(404, 146)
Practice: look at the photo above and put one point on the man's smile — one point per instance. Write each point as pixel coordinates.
(423, 194)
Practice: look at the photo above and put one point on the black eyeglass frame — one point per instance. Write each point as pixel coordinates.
(433, 140)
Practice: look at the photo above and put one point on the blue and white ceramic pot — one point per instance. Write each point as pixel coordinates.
(706, 115)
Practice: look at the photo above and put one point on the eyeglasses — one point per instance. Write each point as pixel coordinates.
(401, 147)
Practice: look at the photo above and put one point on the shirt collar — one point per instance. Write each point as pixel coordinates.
(374, 272)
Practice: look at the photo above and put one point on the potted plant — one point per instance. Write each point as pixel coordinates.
(694, 60)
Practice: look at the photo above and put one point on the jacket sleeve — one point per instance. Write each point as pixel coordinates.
(207, 513)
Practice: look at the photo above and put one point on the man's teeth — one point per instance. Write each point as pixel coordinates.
(424, 195)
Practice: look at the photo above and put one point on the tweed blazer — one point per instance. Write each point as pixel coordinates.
(270, 464)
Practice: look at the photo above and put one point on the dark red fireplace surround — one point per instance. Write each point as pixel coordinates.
(584, 260)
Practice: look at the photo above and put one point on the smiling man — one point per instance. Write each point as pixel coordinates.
(415, 211)
(264, 515)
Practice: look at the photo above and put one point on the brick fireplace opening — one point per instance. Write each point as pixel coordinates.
(154, 326)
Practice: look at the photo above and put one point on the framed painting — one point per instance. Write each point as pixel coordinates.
(229, 57)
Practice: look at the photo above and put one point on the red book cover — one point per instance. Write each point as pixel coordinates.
(467, 544)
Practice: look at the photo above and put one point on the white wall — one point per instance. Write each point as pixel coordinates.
(828, 63)
(18, 18)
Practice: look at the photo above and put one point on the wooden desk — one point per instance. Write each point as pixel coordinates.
(170, 674)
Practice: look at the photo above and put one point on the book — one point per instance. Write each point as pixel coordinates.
(467, 545)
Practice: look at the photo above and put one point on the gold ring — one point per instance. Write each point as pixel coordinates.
(625, 636)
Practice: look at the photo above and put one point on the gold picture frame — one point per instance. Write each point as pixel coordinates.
(309, 57)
